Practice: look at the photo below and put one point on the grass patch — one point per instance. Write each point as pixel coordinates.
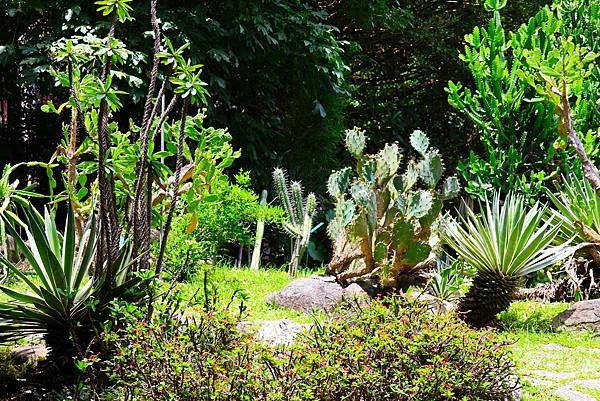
(232, 285)
(236, 285)
(547, 359)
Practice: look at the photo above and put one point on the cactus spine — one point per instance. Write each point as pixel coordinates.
(383, 217)
(300, 212)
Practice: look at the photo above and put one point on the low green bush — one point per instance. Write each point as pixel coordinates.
(226, 217)
(202, 358)
(393, 350)
(398, 350)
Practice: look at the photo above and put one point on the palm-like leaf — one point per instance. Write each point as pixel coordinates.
(510, 240)
(578, 205)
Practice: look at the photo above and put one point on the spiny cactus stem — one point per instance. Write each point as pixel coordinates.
(281, 186)
(297, 201)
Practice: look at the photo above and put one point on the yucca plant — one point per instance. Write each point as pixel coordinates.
(64, 301)
(578, 206)
(504, 243)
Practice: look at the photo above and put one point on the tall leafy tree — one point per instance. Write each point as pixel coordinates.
(522, 148)
(274, 69)
(401, 56)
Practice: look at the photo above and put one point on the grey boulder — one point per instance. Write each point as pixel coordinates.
(309, 294)
(581, 315)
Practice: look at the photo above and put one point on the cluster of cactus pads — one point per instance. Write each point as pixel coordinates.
(300, 212)
(383, 217)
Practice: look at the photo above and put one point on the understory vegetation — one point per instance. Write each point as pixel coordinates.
(299, 200)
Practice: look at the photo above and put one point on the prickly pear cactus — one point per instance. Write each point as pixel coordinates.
(383, 216)
(300, 212)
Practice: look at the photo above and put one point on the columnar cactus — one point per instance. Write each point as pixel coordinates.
(383, 218)
(300, 212)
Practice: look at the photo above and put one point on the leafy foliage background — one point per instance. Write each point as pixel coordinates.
(286, 76)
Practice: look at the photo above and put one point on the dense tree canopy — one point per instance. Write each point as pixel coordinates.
(285, 76)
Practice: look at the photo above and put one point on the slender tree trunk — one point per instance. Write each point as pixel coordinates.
(589, 169)
(142, 219)
(175, 198)
(260, 230)
(109, 227)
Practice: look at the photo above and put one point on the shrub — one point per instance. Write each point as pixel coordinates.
(398, 350)
(202, 358)
(393, 350)
(225, 217)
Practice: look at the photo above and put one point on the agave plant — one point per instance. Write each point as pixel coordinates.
(11, 195)
(504, 243)
(64, 301)
(447, 279)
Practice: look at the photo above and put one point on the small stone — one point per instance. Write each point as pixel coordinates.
(593, 384)
(369, 284)
(29, 353)
(279, 332)
(581, 315)
(355, 291)
(325, 278)
(547, 374)
(434, 304)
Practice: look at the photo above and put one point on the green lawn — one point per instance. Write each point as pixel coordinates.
(248, 286)
(550, 361)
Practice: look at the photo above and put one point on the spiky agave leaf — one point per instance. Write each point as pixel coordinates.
(58, 302)
(503, 243)
(578, 206)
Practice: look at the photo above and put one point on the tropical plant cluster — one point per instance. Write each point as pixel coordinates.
(518, 127)
(105, 261)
